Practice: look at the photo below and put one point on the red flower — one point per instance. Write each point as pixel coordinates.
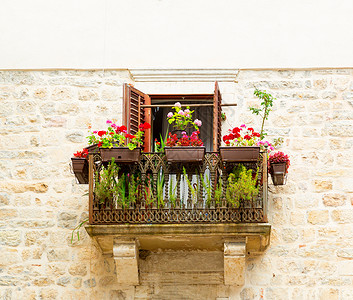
(237, 135)
(101, 133)
(251, 129)
(247, 137)
(129, 136)
(236, 130)
(144, 126)
(100, 144)
(122, 128)
(256, 134)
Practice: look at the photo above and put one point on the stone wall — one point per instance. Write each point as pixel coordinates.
(44, 117)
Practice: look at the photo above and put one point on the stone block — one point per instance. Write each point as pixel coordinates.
(10, 237)
(67, 220)
(322, 185)
(342, 216)
(328, 294)
(78, 269)
(88, 95)
(318, 217)
(334, 199)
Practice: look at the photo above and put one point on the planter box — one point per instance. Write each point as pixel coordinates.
(80, 169)
(240, 154)
(93, 149)
(185, 154)
(121, 154)
(278, 173)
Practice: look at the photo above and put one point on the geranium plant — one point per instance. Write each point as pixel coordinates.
(279, 157)
(193, 140)
(117, 136)
(81, 154)
(241, 136)
(182, 119)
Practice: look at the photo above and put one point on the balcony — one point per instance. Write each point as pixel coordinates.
(183, 213)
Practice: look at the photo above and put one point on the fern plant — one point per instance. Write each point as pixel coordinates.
(241, 186)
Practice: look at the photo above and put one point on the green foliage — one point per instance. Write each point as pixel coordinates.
(159, 146)
(193, 190)
(106, 182)
(264, 111)
(206, 183)
(127, 190)
(108, 186)
(241, 186)
(172, 193)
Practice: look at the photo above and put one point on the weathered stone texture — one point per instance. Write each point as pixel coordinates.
(45, 117)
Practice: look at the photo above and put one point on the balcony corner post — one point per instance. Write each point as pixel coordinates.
(125, 252)
(234, 262)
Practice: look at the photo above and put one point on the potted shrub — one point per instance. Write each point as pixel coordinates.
(242, 185)
(181, 147)
(278, 167)
(242, 145)
(116, 142)
(80, 166)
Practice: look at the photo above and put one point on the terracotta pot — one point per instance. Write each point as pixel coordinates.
(121, 154)
(240, 154)
(278, 173)
(80, 169)
(185, 154)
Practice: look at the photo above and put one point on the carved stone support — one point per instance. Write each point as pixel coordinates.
(234, 262)
(125, 253)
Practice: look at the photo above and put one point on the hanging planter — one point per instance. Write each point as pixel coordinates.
(185, 154)
(240, 154)
(121, 154)
(80, 169)
(278, 168)
(278, 173)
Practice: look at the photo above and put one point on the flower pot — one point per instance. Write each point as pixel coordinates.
(121, 154)
(185, 154)
(80, 169)
(278, 173)
(240, 154)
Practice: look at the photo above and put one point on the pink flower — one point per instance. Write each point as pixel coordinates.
(95, 131)
(169, 115)
(109, 122)
(181, 112)
(177, 104)
(114, 126)
(243, 125)
(187, 111)
(198, 122)
(272, 148)
(183, 132)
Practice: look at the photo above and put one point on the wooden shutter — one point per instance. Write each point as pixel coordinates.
(134, 114)
(217, 111)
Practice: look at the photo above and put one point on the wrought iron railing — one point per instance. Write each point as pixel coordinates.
(185, 205)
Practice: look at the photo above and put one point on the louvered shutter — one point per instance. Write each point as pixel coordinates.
(217, 111)
(134, 114)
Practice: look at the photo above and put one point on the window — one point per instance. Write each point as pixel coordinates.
(136, 112)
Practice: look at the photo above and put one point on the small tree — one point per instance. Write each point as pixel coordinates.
(264, 111)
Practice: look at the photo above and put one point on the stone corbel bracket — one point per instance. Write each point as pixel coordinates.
(235, 240)
(125, 252)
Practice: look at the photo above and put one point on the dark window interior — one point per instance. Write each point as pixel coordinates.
(160, 124)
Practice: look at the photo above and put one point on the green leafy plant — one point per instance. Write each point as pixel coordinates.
(106, 182)
(127, 190)
(241, 186)
(182, 119)
(160, 187)
(159, 146)
(264, 111)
